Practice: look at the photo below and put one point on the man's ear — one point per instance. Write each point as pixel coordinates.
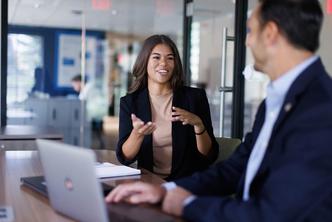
(271, 33)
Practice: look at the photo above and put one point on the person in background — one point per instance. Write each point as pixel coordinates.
(76, 83)
(83, 91)
(94, 103)
(164, 125)
(282, 170)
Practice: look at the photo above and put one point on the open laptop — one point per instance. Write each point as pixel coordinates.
(72, 185)
(74, 190)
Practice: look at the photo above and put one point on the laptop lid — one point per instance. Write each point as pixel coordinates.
(71, 180)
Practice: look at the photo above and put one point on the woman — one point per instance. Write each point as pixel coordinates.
(164, 125)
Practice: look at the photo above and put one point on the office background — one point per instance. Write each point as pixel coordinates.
(41, 51)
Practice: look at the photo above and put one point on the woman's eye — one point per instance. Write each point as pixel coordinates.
(155, 57)
(170, 58)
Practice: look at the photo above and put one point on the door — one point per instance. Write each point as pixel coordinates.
(212, 57)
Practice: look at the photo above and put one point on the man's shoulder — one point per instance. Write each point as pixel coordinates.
(325, 81)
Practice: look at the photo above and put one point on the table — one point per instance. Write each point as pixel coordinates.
(17, 137)
(29, 205)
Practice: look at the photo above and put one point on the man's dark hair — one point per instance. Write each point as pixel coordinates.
(300, 21)
(77, 78)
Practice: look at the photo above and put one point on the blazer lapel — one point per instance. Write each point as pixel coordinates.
(143, 111)
(258, 124)
(143, 107)
(297, 88)
(179, 132)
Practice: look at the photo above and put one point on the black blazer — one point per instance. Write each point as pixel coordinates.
(186, 158)
(294, 180)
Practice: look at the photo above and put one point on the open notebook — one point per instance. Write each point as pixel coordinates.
(106, 169)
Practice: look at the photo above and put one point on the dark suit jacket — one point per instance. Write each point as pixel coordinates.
(294, 181)
(186, 158)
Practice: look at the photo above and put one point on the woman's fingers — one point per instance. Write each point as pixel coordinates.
(148, 128)
(142, 128)
(137, 122)
(184, 116)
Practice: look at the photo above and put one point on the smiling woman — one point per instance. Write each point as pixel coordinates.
(49, 42)
(164, 125)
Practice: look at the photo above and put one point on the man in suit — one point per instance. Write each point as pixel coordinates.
(282, 170)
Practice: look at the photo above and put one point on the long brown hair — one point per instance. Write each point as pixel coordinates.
(140, 66)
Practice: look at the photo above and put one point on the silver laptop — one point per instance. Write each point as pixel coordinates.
(72, 184)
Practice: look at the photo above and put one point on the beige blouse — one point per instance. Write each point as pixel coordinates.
(161, 111)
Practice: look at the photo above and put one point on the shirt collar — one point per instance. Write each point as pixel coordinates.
(281, 85)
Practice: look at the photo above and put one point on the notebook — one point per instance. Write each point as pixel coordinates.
(106, 169)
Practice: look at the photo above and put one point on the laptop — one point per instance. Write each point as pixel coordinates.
(70, 182)
(72, 185)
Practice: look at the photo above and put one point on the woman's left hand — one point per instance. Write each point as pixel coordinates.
(186, 117)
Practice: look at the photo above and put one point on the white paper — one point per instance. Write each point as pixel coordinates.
(104, 170)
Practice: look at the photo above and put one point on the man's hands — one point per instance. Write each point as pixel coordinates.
(139, 192)
(136, 193)
(140, 128)
(173, 201)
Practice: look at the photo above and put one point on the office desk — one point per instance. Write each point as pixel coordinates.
(31, 206)
(18, 137)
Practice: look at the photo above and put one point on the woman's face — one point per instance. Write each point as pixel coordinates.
(160, 65)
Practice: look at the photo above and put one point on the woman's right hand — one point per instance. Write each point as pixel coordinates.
(140, 128)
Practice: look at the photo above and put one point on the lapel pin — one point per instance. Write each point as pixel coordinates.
(288, 107)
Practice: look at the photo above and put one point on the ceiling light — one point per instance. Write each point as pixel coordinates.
(101, 4)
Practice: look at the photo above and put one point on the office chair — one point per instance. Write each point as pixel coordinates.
(226, 147)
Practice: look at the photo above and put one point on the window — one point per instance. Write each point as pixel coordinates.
(24, 58)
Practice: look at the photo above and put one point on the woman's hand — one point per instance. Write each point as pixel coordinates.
(187, 118)
(133, 144)
(140, 128)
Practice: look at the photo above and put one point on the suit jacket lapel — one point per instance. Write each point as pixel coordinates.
(258, 124)
(297, 88)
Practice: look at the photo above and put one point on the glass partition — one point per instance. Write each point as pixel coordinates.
(212, 56)
(46, 43)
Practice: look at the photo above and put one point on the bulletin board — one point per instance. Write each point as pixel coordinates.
(68, 56)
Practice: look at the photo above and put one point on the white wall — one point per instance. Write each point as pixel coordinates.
(0, 33)
(325, 50)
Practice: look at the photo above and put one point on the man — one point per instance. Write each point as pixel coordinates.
(76, 83)
(82, 90)
(282, 170)
(91, 94)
